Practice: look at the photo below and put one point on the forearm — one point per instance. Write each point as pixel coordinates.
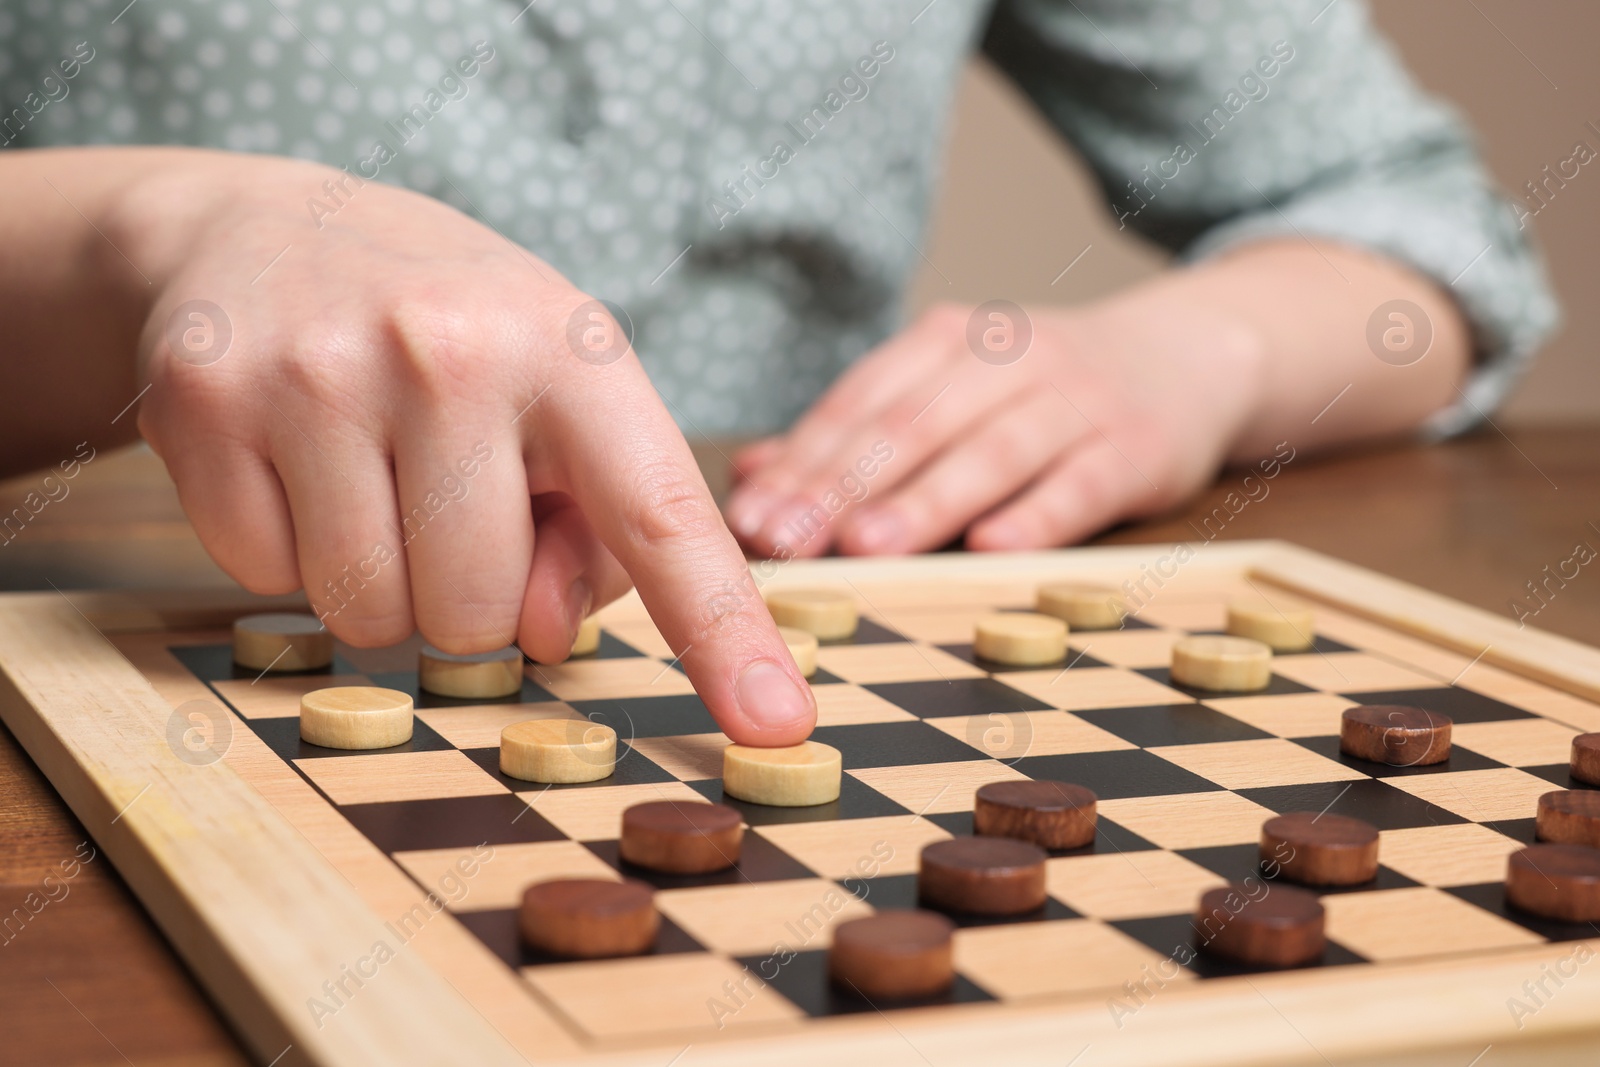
(1302, 312)
(83, 259)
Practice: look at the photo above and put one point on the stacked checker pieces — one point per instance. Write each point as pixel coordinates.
(877, 634)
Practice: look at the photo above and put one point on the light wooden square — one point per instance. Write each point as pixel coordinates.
(1396, 924)
(479, 726)
(503, 872)
(1068, 956)
(1350, 672)
(754, 919)
(1288, 714)
(660, 996)
(1531, 696)
(1127, 648)
(850, 705)
(1252, 764)
(1463, 854)
(1519, 742)
(594, 813)
(1129, 885)
(687, 757)
(1211, 615)
(899, 661)
(1085, 688)
(928, 788)
(889, 844)
(278, 696)
(1195, 820)
(1012, 735)
(1482, 796)
(1438, 662)
(1560, 707)
(951, 627)
(613, 679)
(386, 777)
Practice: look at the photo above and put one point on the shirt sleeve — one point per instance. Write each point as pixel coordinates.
(1210, 123)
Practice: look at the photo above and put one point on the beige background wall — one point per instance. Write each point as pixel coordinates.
(1017, 207)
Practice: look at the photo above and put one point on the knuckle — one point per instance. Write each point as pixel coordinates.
(440, 350)
(670, 507)
(945, 318)
(322, 373)
(370, 630)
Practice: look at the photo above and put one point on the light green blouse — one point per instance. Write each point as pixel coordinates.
(749, 180)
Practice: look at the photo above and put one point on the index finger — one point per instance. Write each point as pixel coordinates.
(639, 487)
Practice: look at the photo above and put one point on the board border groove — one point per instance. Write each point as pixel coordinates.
(98, 730)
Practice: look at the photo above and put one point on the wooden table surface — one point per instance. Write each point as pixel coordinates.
(88, 980)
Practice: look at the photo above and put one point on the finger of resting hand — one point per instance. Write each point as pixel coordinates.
(1092, 487)
(342, 501)
(756, 455)
(911, 431)
(573, 575)
(468, 533)
(642, 493)
(971, 476)
(236, 503)
(877, 380)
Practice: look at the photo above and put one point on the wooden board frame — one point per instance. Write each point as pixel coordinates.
(226, 877)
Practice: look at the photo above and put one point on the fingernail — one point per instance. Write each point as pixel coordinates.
(997, 537)
(747, 509)
(794, 523)
(880, 531)
(579, 600)
(770, 698)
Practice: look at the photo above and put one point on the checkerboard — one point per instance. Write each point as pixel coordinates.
(1185, 779)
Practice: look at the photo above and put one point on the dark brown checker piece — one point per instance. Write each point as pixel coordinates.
(1556, 881)
(982, 876)
(1285, 928)
(1570, 817)
(1048, 814)
(1586, 758)
(679, 838)
(893, 955)
(1396, 734)
(1320, 849)
(589, 918)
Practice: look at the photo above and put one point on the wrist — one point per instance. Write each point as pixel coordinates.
(1195, 311)
(167, 208)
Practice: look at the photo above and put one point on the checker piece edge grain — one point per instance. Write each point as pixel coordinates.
(827, 614)
(478, 676)
(1556, 881)
(677, 837)
(1320, 849)
(1585, 765)
(1280, 629)
(1396, 734)
(356, 717)
(797, 776)
(1222, 664)
(982, 876)
(281, 641)
(894, 955)
(1081, 605)
(587, 640)
(589, 918)
(1055, 815)
(1570, 817)
(1284, 928)
(558, 751)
